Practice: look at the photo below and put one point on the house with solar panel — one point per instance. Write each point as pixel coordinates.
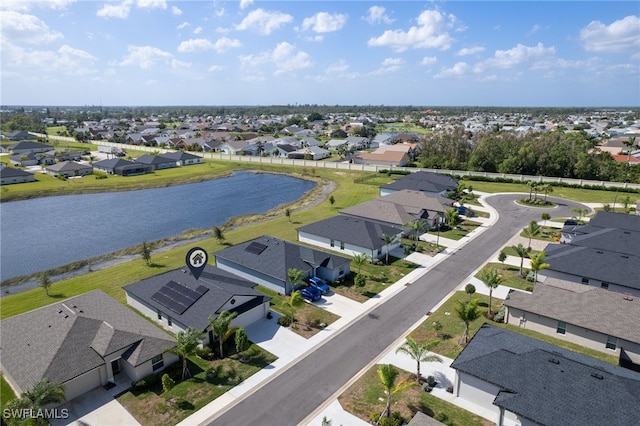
(176, 300)
(265, 260)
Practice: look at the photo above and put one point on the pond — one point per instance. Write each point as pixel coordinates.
(48, 232)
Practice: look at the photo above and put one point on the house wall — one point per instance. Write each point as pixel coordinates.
(18, 179)
(246, 318)
(251, 275)
(478, 392)
(146, 368)
(325, 243)
(592, 282)
(574, 334)
(331, 274)
(83, 383)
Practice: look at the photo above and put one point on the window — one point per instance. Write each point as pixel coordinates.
(157, 362)
(604, 284)
(562, 327)
(341, 245)
(159, 314)
(585, 281)
(612, 343)
(333, 243)
(169, 321)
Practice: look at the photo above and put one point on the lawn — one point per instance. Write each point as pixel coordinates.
(367, 396)
(461, 230)
(210, 380)
(6, 393)
(308, 317)
(510, 274)
(547, 233)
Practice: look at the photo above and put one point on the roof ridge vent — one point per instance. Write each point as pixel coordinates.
(554, 360)
(597, 376)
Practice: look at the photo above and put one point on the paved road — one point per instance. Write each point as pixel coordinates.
(298, 391)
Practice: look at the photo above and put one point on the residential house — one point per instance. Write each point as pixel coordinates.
(21, 136)
(31, 159)
(610, 239)
(234, 147)
(117, 166)
(402, 207)
(11, 175)
(265, 260)
(588, 316)
(525, 381)
(69, 169)
(176, 300)
(429, 182)
(410, 148)
(28, 147)
(156, 162)
(387, 158)
(82, 343)
(182, 158)
(350, 235)
(310, 153)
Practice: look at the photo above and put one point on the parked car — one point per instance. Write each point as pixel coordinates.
(311, 294)
(319, 284)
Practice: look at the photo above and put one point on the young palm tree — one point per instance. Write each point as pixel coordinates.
(43, 393)
(492, 279)
(388, 374)
(419, 352)
(220, 325)
(547, 189)
(533, 230)
(295, 277)
(522, 252)
(358, 260)
(451, 217)
(538, 264)
(45, 282)
(545, 216)
(388, 240)
(218, 234)
(188, 342)
(295, 301)
(467, 312)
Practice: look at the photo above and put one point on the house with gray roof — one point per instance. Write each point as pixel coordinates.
(118, 166)
(350, 235)
(429, 182)
(69, 169)
(265, 260)
(525, 381)
(82, 343)
(182, 158)
(160, 298)
(156, 162)
(27, 146)
(592, 317)
(10, 175)
(402, 207)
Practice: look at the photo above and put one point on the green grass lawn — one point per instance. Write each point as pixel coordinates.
(510, 274)
(153, 407)
(6, 393)
(461, 230)
(367, 396)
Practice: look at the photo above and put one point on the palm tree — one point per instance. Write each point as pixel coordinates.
(419, 352)
(145, 251)
(417, 226)
(538, 264)
(295, 301)
(187, 343)
(220, 325)
(545, 216)
(533, 230)
(451, 217)
(492, 279)
(358, 260)
(467, 312)
(388, 374)
(522, 252)
(295, 277)
(630, 143)
(43, 393)
(218, 234)
(45, 282)
(388, 240)
(547, 189)
(532, 187)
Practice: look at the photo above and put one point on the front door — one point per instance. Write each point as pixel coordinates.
(115, 366)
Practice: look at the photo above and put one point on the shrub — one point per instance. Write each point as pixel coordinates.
(469, 289)
(360, 280)
(431, 381)
(285, 320)
(499, 317)
(167, 383)
(139, 385)
(394, 420)
(531, 276)
(205, 353)
(183, 404)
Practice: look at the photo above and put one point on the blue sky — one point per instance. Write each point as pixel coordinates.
(205, 52)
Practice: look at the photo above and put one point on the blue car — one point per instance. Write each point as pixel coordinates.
(311, 294)
(319, 284)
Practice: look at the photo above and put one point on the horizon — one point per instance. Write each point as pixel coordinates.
(159, 53)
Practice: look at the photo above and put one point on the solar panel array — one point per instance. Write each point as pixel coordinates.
(178, 297)
(255, 248)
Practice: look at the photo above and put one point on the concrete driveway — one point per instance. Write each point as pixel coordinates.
(95, 408)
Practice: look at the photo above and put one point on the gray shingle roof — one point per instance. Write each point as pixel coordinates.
(68, 166)
(423, 181)
(221, 285)
(179, 155)
(616, 220)
(585, 306)
(550, 385)
(360, 232)
(278, 256)
(7, 172)
(153, 159)
(65, 339)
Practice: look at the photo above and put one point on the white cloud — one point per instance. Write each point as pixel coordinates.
(153, 4)
(284, 58)
(430, 33)
(428, 60)
(144, 56)
(518, 55)
(389, 65)
(27, 5)
(223, 44)
(195, 45)
(176, 10)
(214, 68)
(456, 71)
(377, 14)
(20, 27)
(620, 36)
(534, 29)
(264, 22)
(337, 68)
(323, 22)
(197, 30)
(183, 25)
(66, 60)
(245, 4)
(176, 64)
(470, 51)
(120, 10)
